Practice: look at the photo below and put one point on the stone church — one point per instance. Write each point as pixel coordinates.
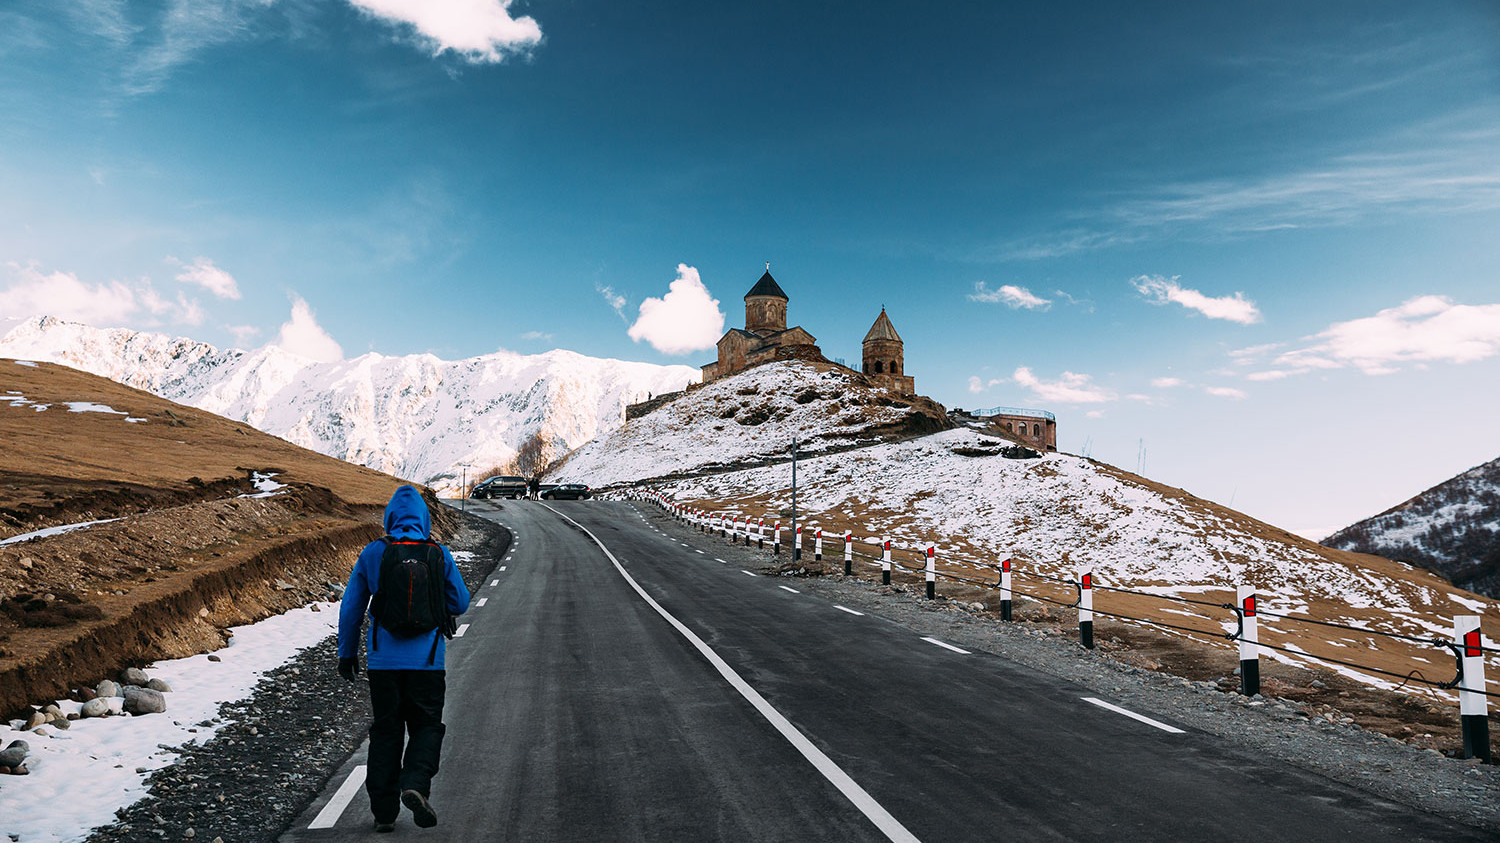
(766, 337)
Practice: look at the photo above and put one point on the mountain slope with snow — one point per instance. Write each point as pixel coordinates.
(418, 416)
(980, 500)
(1452, 528)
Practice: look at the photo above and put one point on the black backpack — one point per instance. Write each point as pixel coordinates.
(411, 598)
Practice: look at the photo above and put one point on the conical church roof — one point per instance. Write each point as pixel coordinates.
(882, 329)
(767, 286)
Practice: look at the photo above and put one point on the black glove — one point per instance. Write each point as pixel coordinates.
(348, 667)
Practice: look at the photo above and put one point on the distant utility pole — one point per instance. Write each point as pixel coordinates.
(796, 538)
(463, 490)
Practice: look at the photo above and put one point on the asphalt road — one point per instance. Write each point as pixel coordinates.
(661, 691)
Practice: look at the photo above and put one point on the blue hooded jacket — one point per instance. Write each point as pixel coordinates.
(406, 517)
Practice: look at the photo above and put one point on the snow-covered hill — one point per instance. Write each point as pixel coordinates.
(723, 447)
(418, 416)
(1452, 528)
(749, 418)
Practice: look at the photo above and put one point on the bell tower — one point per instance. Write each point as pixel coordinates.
(765, 306)
(884, 357)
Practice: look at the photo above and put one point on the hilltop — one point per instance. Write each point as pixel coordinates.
(414, 416)
(752, 418)
(1452, 528)
(132, 528)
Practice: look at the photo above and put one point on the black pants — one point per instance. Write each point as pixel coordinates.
(408, 705)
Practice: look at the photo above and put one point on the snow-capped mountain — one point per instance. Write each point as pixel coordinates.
(1452, 528)
(418, 416)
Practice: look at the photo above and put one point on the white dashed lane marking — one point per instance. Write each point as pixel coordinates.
(696, 550)
(717, 559)
(850, 611)
(1132, 715)
(788, 588)
(494, 583)
(746, 573)
(462, 628)
(946, 646)
(482, 601)
(329, 816)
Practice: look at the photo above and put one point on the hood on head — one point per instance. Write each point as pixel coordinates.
(407, 516)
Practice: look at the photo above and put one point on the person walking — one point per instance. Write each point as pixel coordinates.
(412, 591)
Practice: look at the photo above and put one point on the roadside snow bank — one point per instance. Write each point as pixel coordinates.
(81, 776)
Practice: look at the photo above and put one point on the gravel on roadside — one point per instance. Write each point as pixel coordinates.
(280, 745)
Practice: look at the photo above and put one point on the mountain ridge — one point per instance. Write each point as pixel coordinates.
(415, 416)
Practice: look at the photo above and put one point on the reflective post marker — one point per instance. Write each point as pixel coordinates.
(885, 561)
(931, 570)
(818, 545)
(1086, 609)
(1249, 636)
(1005, 597)
(796, 542)
(848, 552)
(760, 534)
(1473, 706)
(776, 546)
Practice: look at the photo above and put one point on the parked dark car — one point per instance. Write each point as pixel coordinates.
(568, 491)
(501, 486)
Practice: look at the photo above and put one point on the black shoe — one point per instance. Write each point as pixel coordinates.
(384, 828)
(421, 810)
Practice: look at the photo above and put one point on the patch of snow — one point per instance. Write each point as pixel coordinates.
(90, 407)
(1475, 606)
(25, 363)
(90, 768)
(264, 485)
(54, 531)
(134, 420)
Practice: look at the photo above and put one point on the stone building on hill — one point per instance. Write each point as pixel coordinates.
(766, 337)
(884, 357)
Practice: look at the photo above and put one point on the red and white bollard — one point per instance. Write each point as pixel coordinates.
(1086, 609)
(1005, 592)
(931, 570)
(1249, 636)
(1473, 705)
(776, 546)
(818, 545)
(885, 561)
(760, 534)
(848, 552)
(797, 543)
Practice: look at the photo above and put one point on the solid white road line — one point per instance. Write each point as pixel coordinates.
(482, 601)
(788, 588)
(1132, 715)
(946, 646)
(850, 611)
(494, 583)
(889, 825)
(329, 816)
(462, 628)
(747, 573)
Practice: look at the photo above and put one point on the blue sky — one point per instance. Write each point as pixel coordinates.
(1252, 245)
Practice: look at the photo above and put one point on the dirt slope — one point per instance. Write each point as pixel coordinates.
(201, 539)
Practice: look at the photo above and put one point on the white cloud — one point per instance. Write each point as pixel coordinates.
(243, 334)
(1269, 375)
(1094, 414)
(1166, 383)
(481, 31)
(613, 299)
(1070, 388)
(62, 294)
(303, 336)
(978, 384)
(1427, 329)
(211, 278)
(686, 319)
(1226, 392)
(535, 335)
(1010, 295)
(1160, 290)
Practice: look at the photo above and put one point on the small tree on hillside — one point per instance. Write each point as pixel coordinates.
(534, 455)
